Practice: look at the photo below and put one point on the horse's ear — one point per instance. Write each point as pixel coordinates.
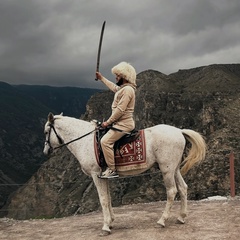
(50, 117)
(61, 114)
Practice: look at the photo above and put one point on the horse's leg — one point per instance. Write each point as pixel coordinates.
(171, 189)
(182, 189)
(102, 186)
(110, 206)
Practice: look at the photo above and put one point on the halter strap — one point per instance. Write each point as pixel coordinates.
(59, 139)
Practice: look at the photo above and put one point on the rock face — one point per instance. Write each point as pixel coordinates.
(21, 133)
(205, 99)
(57, 184)
(23, 114)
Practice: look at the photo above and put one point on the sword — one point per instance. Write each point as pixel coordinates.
(99, 48)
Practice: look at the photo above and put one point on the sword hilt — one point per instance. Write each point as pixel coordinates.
(96, 79)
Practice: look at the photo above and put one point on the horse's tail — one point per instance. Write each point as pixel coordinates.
(196, 153)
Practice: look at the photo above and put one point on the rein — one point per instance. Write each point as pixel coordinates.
(62, 145)
(75, 139)
(65, 144)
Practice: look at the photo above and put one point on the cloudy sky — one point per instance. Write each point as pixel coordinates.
(55, 42)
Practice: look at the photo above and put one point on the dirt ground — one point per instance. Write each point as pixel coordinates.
(207, 220)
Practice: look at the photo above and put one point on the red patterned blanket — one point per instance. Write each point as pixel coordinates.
(130, 156)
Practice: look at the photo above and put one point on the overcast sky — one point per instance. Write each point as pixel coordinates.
(55, 42)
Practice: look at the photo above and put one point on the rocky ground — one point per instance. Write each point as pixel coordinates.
(207, 220)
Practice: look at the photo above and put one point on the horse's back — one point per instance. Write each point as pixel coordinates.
(164, 132)
(164, 140)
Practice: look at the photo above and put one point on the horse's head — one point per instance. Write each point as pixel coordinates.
(52, 139)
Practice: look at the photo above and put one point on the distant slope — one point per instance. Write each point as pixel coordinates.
(212, 78)
(21, 137)
(69, 100)
(23, 112)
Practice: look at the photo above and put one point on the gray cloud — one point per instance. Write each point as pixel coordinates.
(55, 42)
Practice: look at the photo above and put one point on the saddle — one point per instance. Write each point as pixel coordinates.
(127, 138)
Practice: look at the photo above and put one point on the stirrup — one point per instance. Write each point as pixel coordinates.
(109, 174)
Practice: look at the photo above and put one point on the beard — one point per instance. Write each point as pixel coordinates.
(120, 82)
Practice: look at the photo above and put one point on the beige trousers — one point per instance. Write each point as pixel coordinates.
(108, 140)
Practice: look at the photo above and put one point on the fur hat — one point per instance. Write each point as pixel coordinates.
(126, 71)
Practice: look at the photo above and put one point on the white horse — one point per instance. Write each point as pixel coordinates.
(164, 145)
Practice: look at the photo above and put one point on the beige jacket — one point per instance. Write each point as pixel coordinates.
(123, 105)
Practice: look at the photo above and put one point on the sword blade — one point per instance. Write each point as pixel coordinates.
(100, 47)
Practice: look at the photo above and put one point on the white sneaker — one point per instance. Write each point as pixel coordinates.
(109, 173)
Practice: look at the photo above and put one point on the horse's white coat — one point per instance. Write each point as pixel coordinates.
(164, 145)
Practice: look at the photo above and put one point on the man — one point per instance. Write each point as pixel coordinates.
(122, 112)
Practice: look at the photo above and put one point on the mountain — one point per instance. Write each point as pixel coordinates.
(212, 78)
(24, 110)
(205, 99)
(69, 100)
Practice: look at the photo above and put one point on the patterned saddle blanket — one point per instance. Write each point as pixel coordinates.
(129, 156)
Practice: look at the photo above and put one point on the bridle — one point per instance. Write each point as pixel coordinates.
(47, 141)
(60, 140)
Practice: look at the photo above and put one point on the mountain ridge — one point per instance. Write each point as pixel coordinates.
(178, 99)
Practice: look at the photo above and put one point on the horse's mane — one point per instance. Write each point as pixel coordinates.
(62, 117)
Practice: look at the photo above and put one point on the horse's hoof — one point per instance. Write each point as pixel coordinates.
(104, 233)
(161, 223)
(181, 220)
